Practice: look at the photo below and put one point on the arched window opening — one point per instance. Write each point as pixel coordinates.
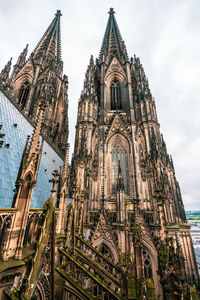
(106, 251)
(115, 95)
(25, 189)
(23, 94)
(118, 154)
(147, 265)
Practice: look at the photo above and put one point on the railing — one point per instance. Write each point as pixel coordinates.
(33, 225)
(32, 230)
(6, 216)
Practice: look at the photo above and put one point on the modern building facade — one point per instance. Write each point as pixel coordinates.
(124, 235)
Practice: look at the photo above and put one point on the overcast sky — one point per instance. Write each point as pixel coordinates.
(165, 34)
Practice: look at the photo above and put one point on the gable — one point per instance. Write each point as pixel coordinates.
(118, 125)
(102, 235)
(115, 67)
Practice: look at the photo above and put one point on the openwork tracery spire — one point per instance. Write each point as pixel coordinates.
(50, 43)
(112, 42)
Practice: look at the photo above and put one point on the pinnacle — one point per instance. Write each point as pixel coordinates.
(50, 43)
(58, 13)
(91, 61)
(111, 11)
(34, 144)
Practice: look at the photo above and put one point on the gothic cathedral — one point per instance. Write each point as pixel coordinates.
(129, 220)
(124, 234)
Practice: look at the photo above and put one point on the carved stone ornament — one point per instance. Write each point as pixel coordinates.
(43, 288)
(118, 126)
(102, 229)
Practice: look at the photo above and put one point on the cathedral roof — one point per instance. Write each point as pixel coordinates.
(112, 42)
(50, 43)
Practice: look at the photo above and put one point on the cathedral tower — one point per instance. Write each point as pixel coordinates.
(28, 77)
(127, 231)
(29, 234)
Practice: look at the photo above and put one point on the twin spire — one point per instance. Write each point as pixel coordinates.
(50, 43)
(112, 42)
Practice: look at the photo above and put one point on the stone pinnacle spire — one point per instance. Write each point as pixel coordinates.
(4, 75)
(112, 42)
(50, 43)
(22, 58)
(34, 144)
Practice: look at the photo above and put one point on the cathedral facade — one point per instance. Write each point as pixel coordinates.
(125, 234)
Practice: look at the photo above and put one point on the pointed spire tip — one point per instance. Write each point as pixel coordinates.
(111, 11)
(58, 13)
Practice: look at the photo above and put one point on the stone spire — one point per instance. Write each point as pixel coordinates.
(34, 144)
(32, 154)
(29, 76)
(89, 81)
(112, 42)
(25, 183)
(21, 61)
(22, 58)
(4, 75)
(50, 43)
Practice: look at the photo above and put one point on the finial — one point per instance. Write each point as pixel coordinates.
(4, 74)
(65, 79)
(54, 180)
(58, 13)
(91, 60)
(111, 11)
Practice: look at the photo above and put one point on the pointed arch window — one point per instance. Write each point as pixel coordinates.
(106, 251)
(23, 94)
(118, 154)
(147, 265)
(115, 95)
